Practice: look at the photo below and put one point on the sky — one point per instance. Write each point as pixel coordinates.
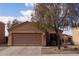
(15, 10)
(11, 11)
(19, 11)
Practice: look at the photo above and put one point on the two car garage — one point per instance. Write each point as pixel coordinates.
(25, 35)
(27, 39)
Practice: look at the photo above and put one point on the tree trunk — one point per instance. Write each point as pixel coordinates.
(58, 38)
(47, 38)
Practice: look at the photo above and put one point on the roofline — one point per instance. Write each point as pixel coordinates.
(18, 25)
(66, 35)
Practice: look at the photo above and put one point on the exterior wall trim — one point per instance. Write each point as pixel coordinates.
(26, 32)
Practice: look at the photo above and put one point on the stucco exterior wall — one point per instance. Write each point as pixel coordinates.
(75, 36)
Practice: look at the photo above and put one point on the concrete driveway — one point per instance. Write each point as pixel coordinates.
(20, 51)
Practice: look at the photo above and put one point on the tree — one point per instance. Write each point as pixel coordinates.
(14, 22)
(9, 24)
(55, 16)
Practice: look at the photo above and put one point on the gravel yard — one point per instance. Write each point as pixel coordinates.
(64, 51)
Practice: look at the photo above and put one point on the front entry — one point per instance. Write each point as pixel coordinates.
(52, 40)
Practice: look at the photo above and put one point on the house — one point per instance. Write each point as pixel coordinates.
(75, 35)
(67, 39)
(2, 33)
(25, 34)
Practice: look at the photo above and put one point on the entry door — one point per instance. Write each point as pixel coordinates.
(53, 40)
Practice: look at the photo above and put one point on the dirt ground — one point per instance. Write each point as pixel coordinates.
(71, 50)
(37, 51)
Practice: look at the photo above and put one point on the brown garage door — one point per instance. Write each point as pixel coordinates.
(29, 39)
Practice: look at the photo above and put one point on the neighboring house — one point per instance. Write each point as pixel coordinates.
(67, 39)
(25, 34)
(2, 33)
(75, 35)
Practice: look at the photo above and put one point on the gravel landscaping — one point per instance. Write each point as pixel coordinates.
(63, 51)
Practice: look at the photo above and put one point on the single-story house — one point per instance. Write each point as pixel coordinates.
(25, 34)
(67, 39)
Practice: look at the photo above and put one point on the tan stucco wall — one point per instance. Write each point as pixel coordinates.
(24, 27)
(75, 36)
(10, 39)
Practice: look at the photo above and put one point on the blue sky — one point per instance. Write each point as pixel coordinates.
(19, 11)
(13, 9)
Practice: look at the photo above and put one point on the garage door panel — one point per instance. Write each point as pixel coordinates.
(29, 39)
